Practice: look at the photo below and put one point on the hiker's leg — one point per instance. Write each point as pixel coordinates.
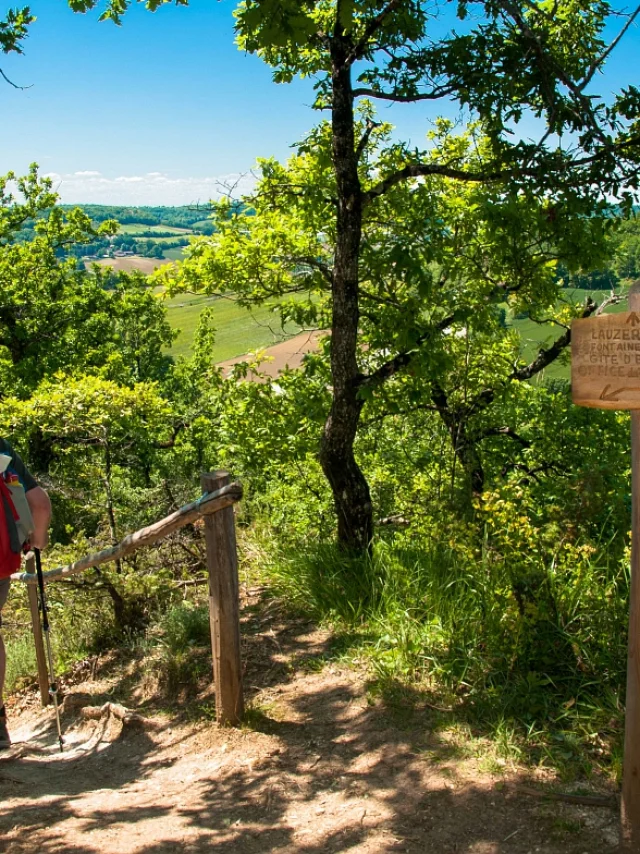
(3, 667)
(4, 592)
(5, 738)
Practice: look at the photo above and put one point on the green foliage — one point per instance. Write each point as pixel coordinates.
(498, 576)
(115, 9)
(21, 664)
(445, 618)
(438, 264)
(64, 318)
(14, 29)
(183, 627)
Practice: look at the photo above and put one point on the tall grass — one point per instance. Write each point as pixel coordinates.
(552, 665)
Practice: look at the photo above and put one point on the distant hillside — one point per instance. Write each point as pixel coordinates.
(190, 217)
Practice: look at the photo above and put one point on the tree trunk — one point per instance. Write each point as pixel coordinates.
(464, 447)
(350, 488)
(111, 515)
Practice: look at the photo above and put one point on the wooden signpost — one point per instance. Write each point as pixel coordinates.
(605, 373)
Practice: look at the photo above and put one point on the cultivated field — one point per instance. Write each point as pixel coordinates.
(287, 354)
(238, 330)
(174, 254)
(130, 262)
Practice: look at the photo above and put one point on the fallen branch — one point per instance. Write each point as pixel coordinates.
(210, 502)
(115, 710)
(401, 521)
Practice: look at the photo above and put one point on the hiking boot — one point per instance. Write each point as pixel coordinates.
(5, 741)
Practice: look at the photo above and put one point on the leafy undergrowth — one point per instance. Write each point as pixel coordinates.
(540, 685)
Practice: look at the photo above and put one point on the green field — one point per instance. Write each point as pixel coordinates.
(163, 240)
(139, 227)
(174, 254)
(239, 331)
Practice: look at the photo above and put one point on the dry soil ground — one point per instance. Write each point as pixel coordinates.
(319, 767)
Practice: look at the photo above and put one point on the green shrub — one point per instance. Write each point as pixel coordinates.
(184, 626)
(21, 663)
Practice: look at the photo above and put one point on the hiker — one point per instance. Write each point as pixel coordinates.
(17, 484)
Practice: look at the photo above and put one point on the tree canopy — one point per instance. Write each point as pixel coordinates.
(375, 235)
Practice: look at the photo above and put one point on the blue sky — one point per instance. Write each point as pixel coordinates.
(162, 109)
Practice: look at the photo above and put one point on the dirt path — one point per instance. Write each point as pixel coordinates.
(319, 768)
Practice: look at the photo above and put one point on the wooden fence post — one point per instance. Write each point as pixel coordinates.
(630, 802)
(36, 626)
(224, 605)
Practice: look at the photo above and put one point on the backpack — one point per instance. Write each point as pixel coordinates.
(16, 522)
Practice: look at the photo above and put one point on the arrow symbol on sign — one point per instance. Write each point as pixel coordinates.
(613, 395)
(633, 319)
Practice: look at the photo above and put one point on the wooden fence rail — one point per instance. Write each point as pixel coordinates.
(218, 497)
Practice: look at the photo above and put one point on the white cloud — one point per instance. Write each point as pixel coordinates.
(152, 188)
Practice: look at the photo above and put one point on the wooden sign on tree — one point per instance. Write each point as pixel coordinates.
(605, 374)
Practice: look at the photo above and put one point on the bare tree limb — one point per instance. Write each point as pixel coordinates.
(11, 83)
(599, 61)
(434, 95)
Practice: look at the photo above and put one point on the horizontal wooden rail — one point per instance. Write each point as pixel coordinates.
(207, 504)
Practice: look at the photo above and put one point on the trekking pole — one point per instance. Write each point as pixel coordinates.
(53, 685)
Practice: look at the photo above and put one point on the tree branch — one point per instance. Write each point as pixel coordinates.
(11, 83)
(585, 111)
(547, 355)
(388, 369)
(424, 170)
(374, 24)
(323, 268)
(434, 95)
(503, 431)
(366, 136)
(595, 65)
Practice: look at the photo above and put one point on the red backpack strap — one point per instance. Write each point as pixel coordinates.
(5, 493)
(9, 560)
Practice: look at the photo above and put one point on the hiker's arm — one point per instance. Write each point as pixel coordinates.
(40, 507)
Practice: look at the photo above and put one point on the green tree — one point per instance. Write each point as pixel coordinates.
(101, 439)
(14, 28)
(519, 58)
(438, 263)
